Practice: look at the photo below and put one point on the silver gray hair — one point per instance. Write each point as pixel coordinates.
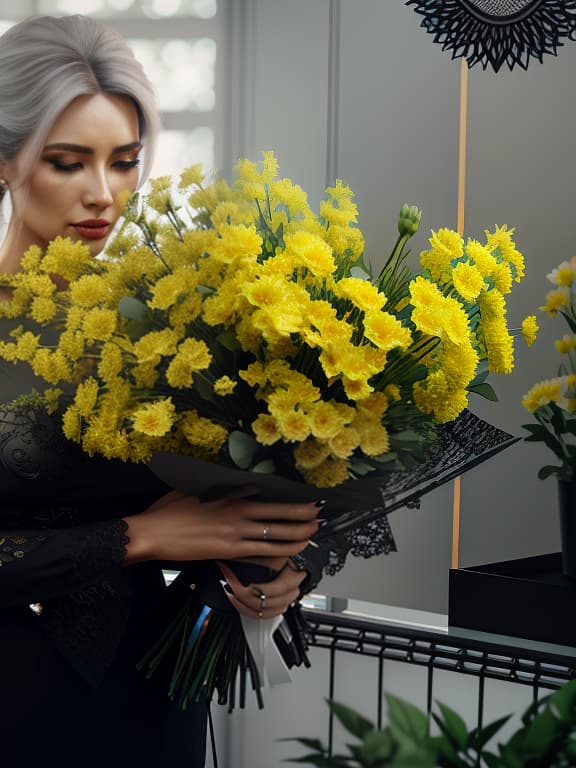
(46, 62)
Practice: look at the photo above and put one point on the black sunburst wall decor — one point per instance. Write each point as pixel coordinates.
(497, 32)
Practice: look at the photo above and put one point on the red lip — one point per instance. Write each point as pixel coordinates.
(92, 229)
(92, 223)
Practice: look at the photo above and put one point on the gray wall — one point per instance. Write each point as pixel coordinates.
(395, 131)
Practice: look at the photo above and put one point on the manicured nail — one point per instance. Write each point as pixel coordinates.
(320, 503)
(321, 520)
(312, 544)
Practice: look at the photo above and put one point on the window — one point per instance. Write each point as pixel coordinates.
(180, 45)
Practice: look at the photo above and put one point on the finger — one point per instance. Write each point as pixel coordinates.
(284, 511)
(276, 531)
(273, 596)
(287, 582)
(267, 613)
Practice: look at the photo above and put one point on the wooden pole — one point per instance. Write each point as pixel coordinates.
(460, 227)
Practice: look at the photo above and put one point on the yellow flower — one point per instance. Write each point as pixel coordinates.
(563, 274)
(344, 443)
(155, 344)
(99, 324)
(159, 196)
(556, 299)
(310, 251)
(203, 434)
(26, 346)
(66, 258)
(89, 290)
(543, 393)
(110, 363)
(193, 355)
(294, 425)
(530, 329)
(191, 177)
(566, 344)
(32, 258)
(325, 420)
(42, 309)
(481, 257)
(502, 277)
(86, 396)
(154, 419)
(385, 331)
(265, 429)
(311, 453)
(374, 437)
(467, 280)
(330, 473)
(224, 386)
(364, 294)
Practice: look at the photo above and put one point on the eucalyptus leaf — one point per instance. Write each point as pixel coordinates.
(242, 449)
(133, 309)
(266, 467)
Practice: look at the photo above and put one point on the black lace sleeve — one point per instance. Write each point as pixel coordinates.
(39, 565)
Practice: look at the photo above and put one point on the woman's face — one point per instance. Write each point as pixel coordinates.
(90, 156)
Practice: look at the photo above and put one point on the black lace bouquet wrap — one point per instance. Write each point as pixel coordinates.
(205, 645)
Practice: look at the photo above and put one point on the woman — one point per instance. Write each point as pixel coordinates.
(82, 540)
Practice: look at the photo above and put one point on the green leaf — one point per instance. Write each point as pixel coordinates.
(548, 470)
(485, 390)
(242, 448)
(563, 702)
(266, 467)
(407, 719)
(377, 746)
(541, 733)
(477, 739)
(310, 743)
(452, 726)
(351, 720)
(133, 308)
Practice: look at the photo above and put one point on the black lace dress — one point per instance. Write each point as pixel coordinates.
(73, 621)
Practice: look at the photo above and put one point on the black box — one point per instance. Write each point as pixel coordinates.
(528, 598)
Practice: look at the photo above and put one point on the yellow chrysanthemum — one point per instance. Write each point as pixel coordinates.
(224, 386)
(330, 473)
(154, 419)
(89, 290)
(86, 396)
(385, 331)
(42, 309)
(99, 324)
(556, 299)
(468, 280)
(310, 251)
(530, 329)
(203, 433)
(543, 393)
(566, 344)
(192, 176)
(363, 293)
(266, 429)
(344, 443)
(311, 453)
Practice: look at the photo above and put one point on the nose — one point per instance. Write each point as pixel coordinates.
(98, 191)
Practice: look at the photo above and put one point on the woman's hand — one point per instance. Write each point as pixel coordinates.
(181, 528)
(264, 601)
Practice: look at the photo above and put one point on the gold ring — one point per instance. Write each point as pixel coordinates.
(265, 531)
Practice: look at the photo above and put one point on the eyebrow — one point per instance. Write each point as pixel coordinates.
(81, 149)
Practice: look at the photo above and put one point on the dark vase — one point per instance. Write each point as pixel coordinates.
(567, 508)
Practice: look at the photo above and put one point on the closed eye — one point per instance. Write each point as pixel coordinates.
(127, 164)
(64, 167)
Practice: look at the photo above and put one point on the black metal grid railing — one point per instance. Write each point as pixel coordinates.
(436, 649)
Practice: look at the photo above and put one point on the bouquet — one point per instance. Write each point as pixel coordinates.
(553, 401)
(233, 327)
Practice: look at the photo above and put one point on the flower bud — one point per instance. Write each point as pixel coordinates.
(409, 220)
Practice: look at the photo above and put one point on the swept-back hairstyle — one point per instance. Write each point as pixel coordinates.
(46, 62)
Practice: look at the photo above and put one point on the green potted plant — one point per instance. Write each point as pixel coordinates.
(546, 738)
(552, 402)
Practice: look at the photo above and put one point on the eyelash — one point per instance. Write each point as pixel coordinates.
(123, 165)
